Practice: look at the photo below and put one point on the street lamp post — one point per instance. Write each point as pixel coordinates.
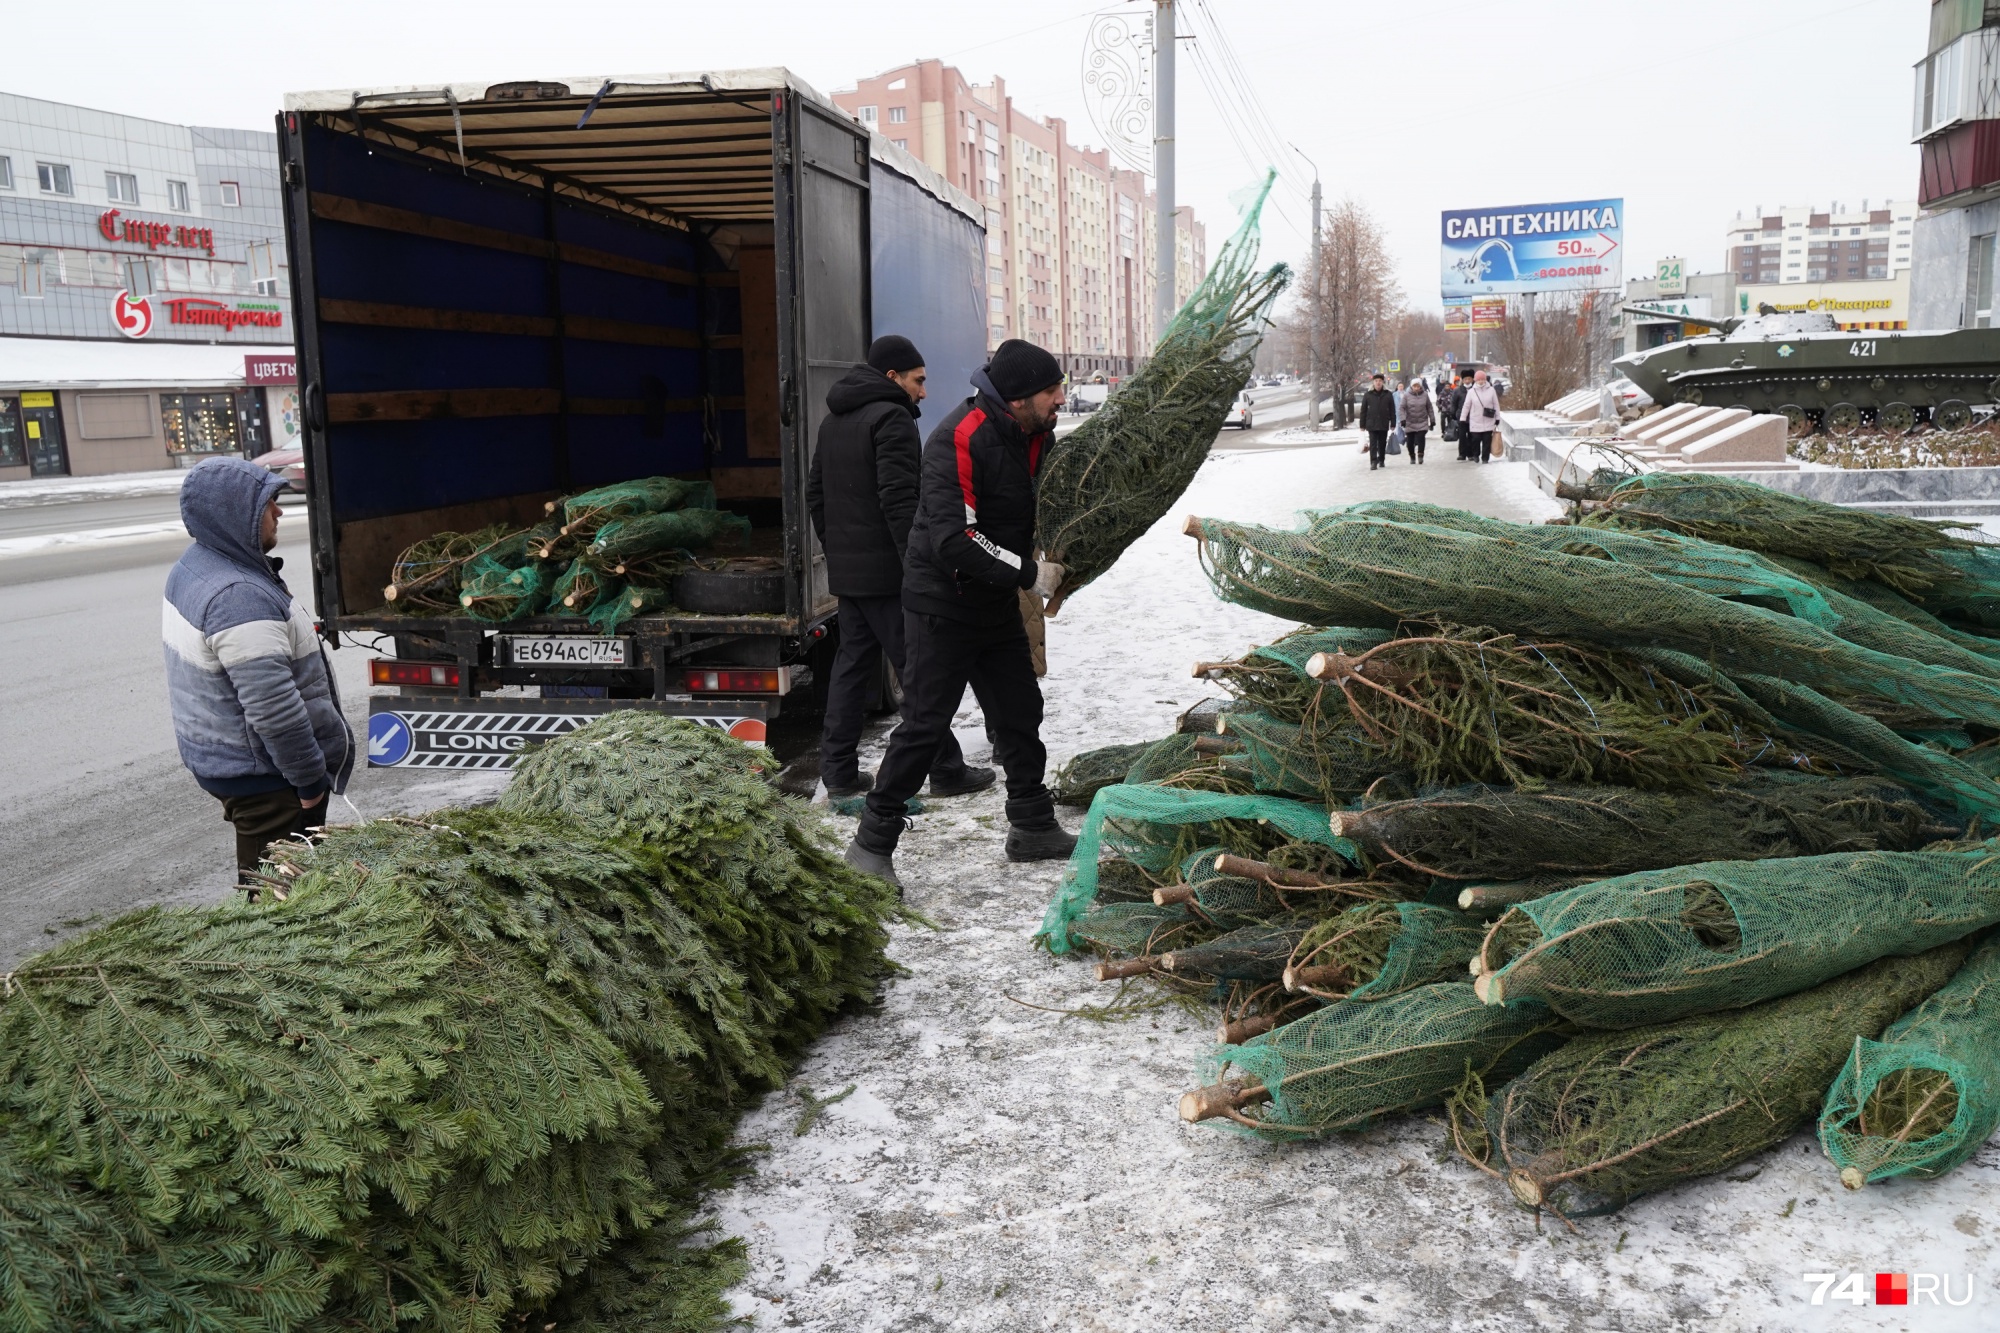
(1166, 253)
(1312, 353)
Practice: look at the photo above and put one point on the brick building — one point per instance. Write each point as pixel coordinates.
(1069, 236)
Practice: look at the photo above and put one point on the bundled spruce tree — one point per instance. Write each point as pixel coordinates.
(1106, 482)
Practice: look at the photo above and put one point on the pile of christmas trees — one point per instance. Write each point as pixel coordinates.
(1635, 841)
(467, 1072)
(605, 555)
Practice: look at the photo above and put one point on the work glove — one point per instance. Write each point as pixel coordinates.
(1048, 577)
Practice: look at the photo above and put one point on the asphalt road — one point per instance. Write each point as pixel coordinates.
(100, 815)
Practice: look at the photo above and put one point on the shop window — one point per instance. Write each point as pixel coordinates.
(199, 423)
(177, 196)
(6, 173)
(138, 276)
(54, 178)
(31, 276)
(13, 447)
(121, 187)
(232, 194)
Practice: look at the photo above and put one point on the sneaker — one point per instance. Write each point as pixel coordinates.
(969, 781)
(872, 863)
(1048, 843)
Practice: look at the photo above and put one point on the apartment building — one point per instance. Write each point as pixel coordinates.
(1851, 263)
(1956, 128)
(1070, 238)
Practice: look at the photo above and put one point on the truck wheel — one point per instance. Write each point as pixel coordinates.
(1952, 414)
(739, 588)
(1898, 417)
(1689, 396)
(1843, 418)
(1798, 423)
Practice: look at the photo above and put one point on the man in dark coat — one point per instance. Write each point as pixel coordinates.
(862, 493)
(1448, 404)
(1378, 418)
(971, 554)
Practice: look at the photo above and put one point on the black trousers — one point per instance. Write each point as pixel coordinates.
(943, 657)
(1468, 448)
(867, 624)
(1479, 444)
(268, 817)
(1413, 441)
(1378, 447)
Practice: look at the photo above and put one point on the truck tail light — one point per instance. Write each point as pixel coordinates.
(740, 680)
(389, 671)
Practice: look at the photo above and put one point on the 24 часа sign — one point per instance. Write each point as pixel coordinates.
(1534, 248)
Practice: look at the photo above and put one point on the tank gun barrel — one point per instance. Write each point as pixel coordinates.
(1719, 325)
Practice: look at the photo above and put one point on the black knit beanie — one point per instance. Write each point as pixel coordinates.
(1022, 370)
(892, 351)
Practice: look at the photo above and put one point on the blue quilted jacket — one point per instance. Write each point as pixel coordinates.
(253, 698)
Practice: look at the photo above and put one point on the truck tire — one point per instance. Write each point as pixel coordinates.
(739, 588)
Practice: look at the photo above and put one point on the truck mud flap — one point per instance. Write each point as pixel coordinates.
(492, 733)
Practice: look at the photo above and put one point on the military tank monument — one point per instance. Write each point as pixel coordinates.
(1803, 367)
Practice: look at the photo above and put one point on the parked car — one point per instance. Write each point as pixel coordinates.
(287, 463)
(1628, 396)
(1239, 412)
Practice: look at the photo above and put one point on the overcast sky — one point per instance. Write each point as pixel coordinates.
(1689, 110)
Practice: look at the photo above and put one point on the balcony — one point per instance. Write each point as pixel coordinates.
(1962, 160)
(1957, 83)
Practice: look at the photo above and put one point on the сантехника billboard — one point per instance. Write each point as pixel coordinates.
(1533, 248)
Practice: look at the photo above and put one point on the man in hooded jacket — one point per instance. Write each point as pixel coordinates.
(862, 493)
(255, 713)
(971, 554)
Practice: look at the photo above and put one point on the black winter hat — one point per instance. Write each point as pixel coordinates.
(1022, 370)
(892, 351)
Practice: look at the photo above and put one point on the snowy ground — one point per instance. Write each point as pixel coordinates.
(1003, 1167)
(63, 490)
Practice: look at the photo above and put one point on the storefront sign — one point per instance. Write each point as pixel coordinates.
(1668, 312)
(133, 318)
(196, 310)
(265, 368)
(1533, 248)
(1670, 277)
(153, 235)
(38, 398)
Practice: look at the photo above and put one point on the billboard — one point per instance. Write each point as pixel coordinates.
(1462, 313)
(1533, 248)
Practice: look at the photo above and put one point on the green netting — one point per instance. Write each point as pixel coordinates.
(1974, 598)
(632, 600)
(624, 542)
(1663, 944)
(1083, 775)
(1355, 569)
(1347, 1065)
(425, 578)
(1254, 953)
(1900, 553)
(577, 590)
(1719, 571)
(1927, 1095)
(1373, 950)
(583, 514)
(1223, 900)
(1132, 928)
(1328, 763)
(1127, 806)
(496, 591)
(1104, 484)
(1505, 833)
(1613, 1115)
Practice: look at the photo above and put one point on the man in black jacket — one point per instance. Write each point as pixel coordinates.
(1378, 418)
(971, 554)
(862, 493)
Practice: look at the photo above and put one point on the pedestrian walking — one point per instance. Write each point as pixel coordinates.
(861, 492)
(1481, 414)
(256, 716)
(1417, 413)
(1467, 452)
(1378, 418)
(971, 552)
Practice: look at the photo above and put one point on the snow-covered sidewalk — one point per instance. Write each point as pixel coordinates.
(1002, 1167)
(67, 490)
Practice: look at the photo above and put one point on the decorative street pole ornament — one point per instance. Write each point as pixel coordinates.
(1117, 86)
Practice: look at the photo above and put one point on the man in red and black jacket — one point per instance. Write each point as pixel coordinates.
(971, 555)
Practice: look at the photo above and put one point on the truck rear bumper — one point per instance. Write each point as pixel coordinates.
(491, 733)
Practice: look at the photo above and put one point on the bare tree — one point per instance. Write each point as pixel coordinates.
(1419, 341)
(1359, 301)
(1560, 362)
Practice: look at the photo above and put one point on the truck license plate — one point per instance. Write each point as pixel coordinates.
(559, 650)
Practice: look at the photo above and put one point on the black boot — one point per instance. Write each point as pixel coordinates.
(873, 863)
(1042, 842)
(863, 783)
(970, 780)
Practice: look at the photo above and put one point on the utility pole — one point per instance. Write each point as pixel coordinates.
(1312, 353)
(1166, 252)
